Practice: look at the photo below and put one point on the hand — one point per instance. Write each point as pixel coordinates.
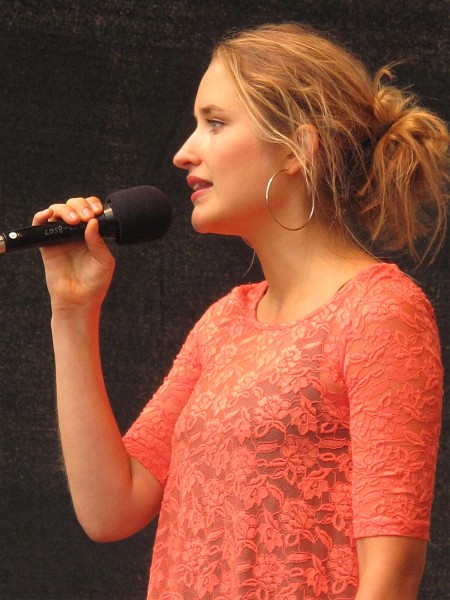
(78, 274)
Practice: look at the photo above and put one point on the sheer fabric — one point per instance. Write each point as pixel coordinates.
(279, 445)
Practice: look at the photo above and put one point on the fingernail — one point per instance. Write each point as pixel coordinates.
(72, 214)
(87, 212)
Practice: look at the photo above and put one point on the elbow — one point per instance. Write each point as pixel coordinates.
(106, 527)
(120, 511)
(100, 530)
(100, 535)
(100, 525)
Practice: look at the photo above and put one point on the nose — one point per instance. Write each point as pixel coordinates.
(186, 157)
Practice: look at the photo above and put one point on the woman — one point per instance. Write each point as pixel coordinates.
(291, 450)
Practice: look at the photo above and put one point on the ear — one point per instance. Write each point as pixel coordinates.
(306, 140)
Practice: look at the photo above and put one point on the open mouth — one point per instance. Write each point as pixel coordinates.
(199, 187)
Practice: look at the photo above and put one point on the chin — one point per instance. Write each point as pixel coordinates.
(203, 225)
(200, 225)
(216, 224)
(204, 228)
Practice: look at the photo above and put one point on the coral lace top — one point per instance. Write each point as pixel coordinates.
(279, 445)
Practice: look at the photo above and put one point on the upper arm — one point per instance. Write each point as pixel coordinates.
(147, 493)
(393, 375)
(149, 439)
(390, 567)
(128, 510)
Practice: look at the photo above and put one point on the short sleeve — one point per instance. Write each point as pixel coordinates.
(149, 438)
(394, 378)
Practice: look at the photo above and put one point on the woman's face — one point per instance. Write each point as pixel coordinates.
(228, 164)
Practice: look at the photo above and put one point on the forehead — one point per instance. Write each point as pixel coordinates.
(217, 89)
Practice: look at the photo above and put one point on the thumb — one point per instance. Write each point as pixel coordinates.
(95, 242)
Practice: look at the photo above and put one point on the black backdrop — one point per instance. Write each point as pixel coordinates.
(96, 96)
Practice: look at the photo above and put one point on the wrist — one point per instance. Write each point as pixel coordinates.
(75, 316)
(75, 336)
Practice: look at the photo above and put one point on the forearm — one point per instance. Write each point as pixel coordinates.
(113, 495)
(98, 467)
(390, 567)
(380, 589)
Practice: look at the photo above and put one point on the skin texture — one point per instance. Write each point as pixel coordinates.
(225, 152)
(390, 567)
(304, 268)
(113, 495)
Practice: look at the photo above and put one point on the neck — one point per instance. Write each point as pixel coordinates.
(304, 269)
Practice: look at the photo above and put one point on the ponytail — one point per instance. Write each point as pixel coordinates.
(405, 192)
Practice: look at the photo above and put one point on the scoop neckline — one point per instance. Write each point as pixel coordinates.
(262, 287)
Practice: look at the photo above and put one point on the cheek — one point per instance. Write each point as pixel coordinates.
(246, 164)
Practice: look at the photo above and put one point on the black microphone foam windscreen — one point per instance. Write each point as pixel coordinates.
(142, 213)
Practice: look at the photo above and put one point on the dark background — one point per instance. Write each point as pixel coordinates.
(96, 96)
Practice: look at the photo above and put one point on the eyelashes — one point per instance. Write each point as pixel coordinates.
(214, 124)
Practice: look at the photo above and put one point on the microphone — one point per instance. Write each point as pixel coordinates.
(131, 216)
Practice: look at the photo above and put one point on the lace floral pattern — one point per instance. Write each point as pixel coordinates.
(278, 446)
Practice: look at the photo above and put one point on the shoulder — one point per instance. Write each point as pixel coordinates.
(389, 315)
(391, 338)
(384, 291)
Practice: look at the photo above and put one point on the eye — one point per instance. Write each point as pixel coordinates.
(214, 124)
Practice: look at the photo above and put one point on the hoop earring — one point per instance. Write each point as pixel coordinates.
(250, 267)
(269, 184)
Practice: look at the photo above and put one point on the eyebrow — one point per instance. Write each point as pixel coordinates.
(205, 111)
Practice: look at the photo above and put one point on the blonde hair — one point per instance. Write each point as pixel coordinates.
(380, 168)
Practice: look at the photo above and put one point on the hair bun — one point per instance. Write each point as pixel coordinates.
(389, 102)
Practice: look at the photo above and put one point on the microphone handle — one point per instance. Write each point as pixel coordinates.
(50, 234)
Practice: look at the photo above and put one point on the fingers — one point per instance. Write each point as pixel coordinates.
(43, 216)
(77, 209)
(72, 212)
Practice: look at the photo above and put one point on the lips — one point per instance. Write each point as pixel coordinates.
(199, 186)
